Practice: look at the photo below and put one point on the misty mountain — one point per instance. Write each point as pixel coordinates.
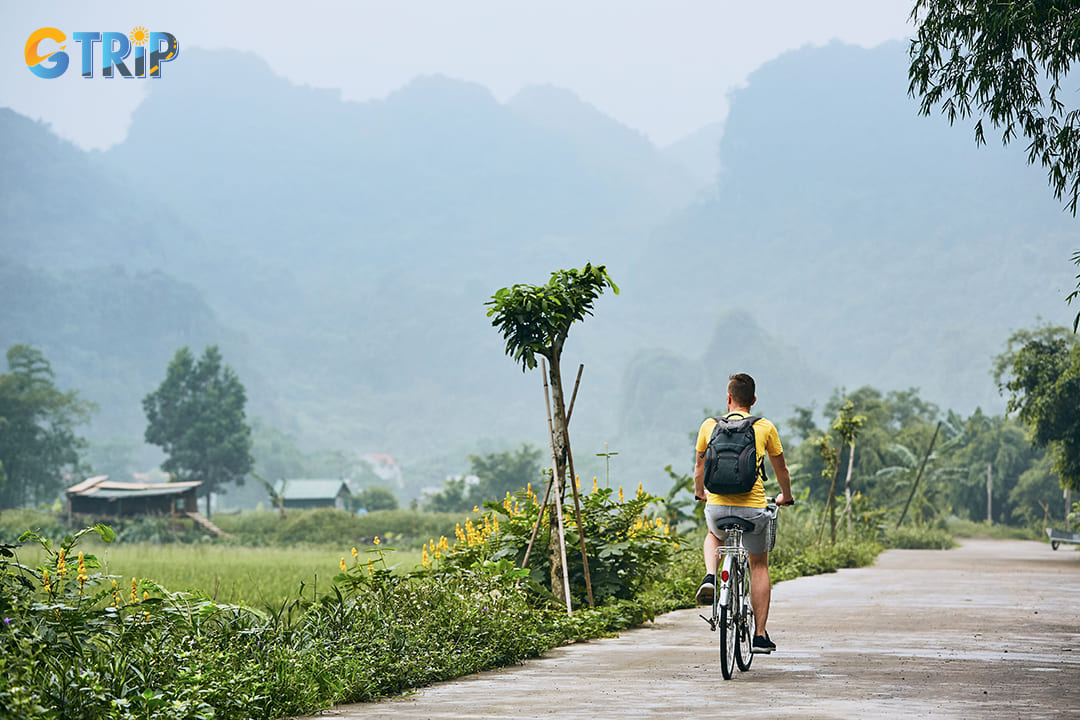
(354, 244)
(699, 153)
(401, 183)
(885, 246)
(341, 253)
(62, 207)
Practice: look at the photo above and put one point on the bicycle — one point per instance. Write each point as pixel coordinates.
(732, 611)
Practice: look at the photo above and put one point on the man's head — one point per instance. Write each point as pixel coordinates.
(741, 391)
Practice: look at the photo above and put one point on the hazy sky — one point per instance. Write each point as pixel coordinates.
(663, 67)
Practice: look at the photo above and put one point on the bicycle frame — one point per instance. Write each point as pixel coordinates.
(726, 556)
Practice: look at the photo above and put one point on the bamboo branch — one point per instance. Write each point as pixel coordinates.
(919, 476)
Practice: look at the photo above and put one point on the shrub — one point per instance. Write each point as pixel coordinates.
(919, 537)
(328, 526)
(970, 528)
(75, 645)
(626, 548)
(15, 522)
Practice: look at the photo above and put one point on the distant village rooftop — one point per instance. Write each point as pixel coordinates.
(313, 492)
(101, 496)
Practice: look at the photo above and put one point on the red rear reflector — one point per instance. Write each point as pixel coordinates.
(724, 576)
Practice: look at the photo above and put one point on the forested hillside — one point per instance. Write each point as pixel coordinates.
(340, 253)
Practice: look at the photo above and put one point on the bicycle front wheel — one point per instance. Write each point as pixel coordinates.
(744, 646)
(729, 633)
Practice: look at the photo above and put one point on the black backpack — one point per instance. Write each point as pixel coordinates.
(731, 465)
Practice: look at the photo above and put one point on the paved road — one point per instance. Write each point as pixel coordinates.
(987, 630)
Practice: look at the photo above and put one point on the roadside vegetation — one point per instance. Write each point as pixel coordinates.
(81, 640)
(297, 610)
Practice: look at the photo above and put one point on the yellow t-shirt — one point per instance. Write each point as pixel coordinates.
(767, 442)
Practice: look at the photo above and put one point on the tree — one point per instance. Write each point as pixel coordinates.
(197, 417)
(504, 472)
(988, 59)
(1040, 370)
(802, 425)
(496, 474)
(1005, 61)
(376, 498)
(535, 320)
(847, 426)
(999, 446)
(38, 445)
(1036, 496)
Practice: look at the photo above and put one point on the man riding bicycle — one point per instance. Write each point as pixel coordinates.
(749, 505)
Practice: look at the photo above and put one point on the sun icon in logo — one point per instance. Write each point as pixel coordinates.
(139, 35)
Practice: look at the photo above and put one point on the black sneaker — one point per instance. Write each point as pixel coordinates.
(763, 645)
(707, 590)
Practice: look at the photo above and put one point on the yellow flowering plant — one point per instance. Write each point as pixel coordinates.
(54, 576)
(369, 573)
(625, 545)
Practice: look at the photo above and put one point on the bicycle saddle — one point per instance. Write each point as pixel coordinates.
(726, 523)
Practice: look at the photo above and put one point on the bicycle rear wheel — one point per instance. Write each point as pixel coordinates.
(729, 633)
(744, 648)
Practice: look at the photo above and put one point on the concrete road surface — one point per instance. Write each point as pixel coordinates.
(987, 630)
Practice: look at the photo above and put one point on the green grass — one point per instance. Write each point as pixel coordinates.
(256, 577)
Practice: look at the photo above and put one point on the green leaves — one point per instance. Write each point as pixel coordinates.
(105, 532)
(535, 319)
(989, 59)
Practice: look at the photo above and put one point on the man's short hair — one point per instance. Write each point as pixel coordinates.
(741, 388)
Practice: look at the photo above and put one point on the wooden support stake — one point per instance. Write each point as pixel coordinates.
(536, 525)
(558, 495)
(547, 492)
(580, 525)
(573, 396)
(574, 487)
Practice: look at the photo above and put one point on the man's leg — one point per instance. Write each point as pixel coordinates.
(760, 590)
(708, 585)
(709, 548)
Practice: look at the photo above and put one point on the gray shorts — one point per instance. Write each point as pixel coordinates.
(755, 542)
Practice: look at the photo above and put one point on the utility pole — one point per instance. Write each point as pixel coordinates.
(1068, 507)
(989, 495)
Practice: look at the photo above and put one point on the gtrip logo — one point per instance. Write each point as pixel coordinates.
(46, 58)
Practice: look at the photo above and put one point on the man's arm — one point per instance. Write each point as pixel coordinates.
(779, 466)
(699, 477)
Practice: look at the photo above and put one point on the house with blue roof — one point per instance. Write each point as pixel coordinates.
(306, 493)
